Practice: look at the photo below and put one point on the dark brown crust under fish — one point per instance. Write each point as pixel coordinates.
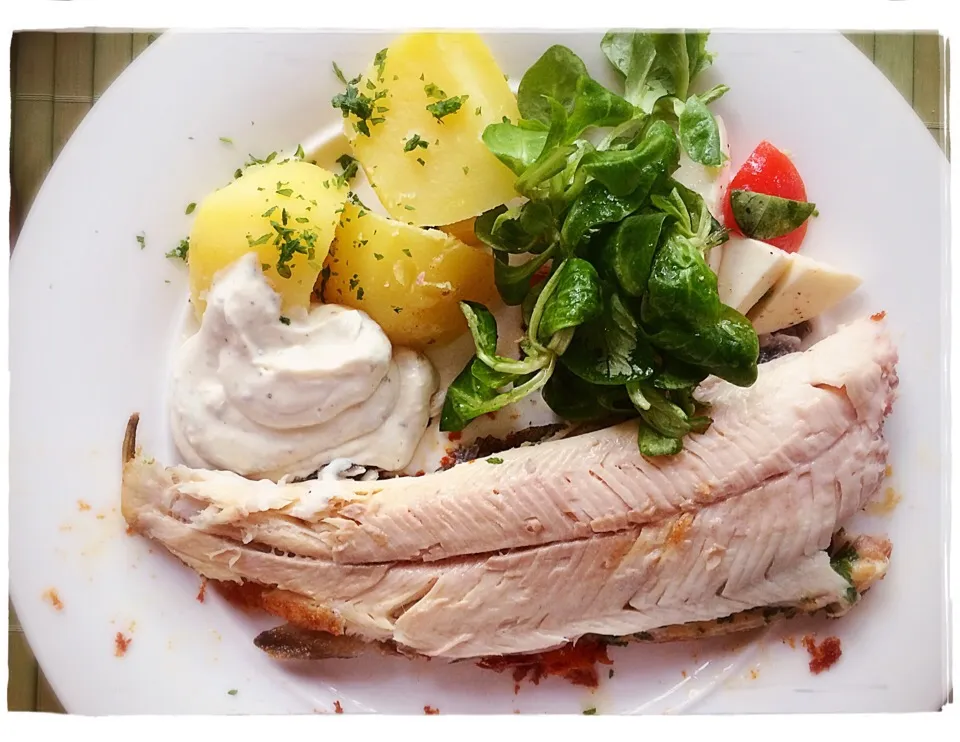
(489, 445)
(289, 642)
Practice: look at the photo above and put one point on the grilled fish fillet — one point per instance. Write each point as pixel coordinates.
(563, 539)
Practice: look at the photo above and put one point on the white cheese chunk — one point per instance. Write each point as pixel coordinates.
(748, 270)
(807, 288)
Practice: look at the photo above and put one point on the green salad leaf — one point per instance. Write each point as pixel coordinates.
(652, 443)
(628, 322)
(513, 281)
(611, 350)
(575, 300)
(628, 252)
(477, 391)
(766, 217)
(594, 105)
(516, 145)
(699, 133)
(632, 54)
(554, 75)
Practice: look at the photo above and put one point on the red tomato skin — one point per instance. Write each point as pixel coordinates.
(769, 171)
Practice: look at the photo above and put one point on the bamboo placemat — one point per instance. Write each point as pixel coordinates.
(56, 78)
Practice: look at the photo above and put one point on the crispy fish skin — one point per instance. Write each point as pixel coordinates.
(564, 539)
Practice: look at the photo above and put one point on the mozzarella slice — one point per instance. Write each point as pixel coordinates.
(806, 289)
(709, 182)
(748, 270)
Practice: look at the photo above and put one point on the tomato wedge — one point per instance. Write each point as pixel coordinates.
(769, 171)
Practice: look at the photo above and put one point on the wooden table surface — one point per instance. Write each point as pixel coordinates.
(56, 78)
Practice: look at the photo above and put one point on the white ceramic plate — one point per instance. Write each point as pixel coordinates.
(94, 319)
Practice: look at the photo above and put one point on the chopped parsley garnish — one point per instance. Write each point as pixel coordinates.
(142, 240)
(285, 320)
(408, 207)
(380, 60)
(269, 211)
(264, 267)
(232, 692)
(340, 76)
(354, 282)
(478, 111)
(360, 294)
(237, 173)
(420, 160)
(261, 240)
(301, 220)
(190, 208)
(398, 309)
(413, 142)
(494, 460)
(447, 106)
(466, 170)
(352, 101)
(270, 158)
(350, 167)
(433, 91)
(378, 256)
(284, 217)
(406, 251)
(226, 140)
(282, 189)
(589, 712)
(291, 246)
(180, 251)
(299, 153)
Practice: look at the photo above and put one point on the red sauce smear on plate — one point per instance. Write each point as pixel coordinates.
(576, 663)
(824, 655)
(121, 644)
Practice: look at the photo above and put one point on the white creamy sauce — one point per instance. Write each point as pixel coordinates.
(267, 398)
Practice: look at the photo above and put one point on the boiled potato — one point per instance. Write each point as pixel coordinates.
(454, 176)
(409, 280)
(464, 232)
(244, 217)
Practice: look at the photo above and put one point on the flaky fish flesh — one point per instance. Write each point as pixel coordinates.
(548, 543)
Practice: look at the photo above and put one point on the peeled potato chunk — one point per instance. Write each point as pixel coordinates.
(271, 208)
(451, 175)
(409, 280)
